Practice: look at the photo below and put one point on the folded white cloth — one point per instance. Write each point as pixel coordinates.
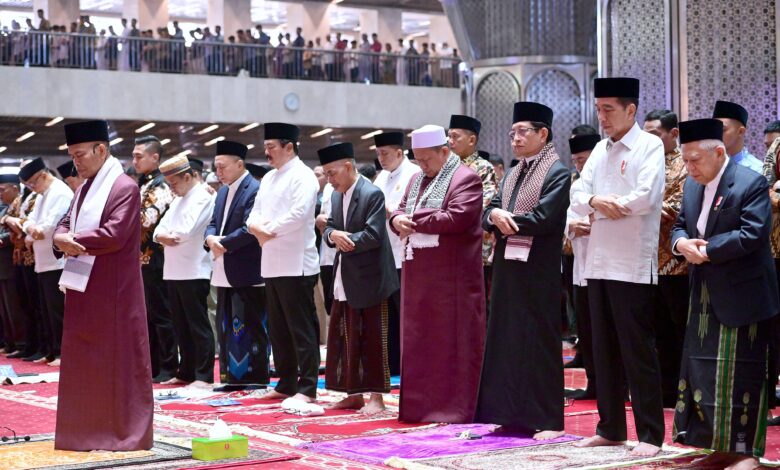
(420, 240)
(299, 407)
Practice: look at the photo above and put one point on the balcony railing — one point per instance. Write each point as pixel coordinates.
(140, 54)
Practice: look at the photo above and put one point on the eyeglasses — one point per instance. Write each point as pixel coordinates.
(521, 131)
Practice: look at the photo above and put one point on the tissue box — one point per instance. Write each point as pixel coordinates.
(204, 448)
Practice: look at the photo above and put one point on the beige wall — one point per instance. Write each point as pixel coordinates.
(44, 92)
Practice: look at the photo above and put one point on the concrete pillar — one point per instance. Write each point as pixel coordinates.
(390, 27)
(231, 15)
(311, 16)
(60, 12)
(369, 22)
(440, 30)
(151, 14)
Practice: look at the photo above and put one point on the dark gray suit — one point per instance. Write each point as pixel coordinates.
(368, 273)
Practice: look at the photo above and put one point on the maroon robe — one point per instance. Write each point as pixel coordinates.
(105, 393)
(443, 308)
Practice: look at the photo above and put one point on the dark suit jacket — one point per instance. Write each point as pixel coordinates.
(242, 259)
(740, 276)
(6, 249)
(368, 273)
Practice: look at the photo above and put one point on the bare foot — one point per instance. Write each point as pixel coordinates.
(304, 398)
(274, 395)
(597, 441)
(643, 449)
(548, 435)
(174, 381)
(376, 404)
(54, 363)
(43, 359)
(744, 462)
(200, 384)
(352, 402)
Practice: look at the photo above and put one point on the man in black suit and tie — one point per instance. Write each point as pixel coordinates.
(364, 279)
(243, 341)
(723, 232)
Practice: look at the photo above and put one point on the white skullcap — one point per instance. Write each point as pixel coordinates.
(212, 178)
(428, 136)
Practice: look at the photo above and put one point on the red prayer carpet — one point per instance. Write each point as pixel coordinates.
(31, 409)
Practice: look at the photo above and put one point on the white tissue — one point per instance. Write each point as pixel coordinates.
(220, 430)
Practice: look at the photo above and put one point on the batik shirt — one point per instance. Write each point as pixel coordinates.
(487, 174)
(770, 173)
(156, 196)
(668, 264)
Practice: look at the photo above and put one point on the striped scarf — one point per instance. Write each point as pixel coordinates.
(528, 195)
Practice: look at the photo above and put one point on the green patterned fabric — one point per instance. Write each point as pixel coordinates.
(722, 401)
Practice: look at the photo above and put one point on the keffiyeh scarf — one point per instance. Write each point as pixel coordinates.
(518, 247)
(431, 198)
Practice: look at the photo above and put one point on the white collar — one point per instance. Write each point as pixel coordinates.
(400, 167)
(629, 139)
(716, 181)
(289, 164)
(235, 184)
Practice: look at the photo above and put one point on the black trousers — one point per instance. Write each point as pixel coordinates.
(15, 316)
(53, 308)
(326, 276)
(671, 316)
(162, 338)
(585, 334)
(623, 336)
(568, 312)
(294, 331)
(193, 331)
(394, 330)
(34, 324)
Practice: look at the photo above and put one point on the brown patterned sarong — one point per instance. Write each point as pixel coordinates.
(357, 359)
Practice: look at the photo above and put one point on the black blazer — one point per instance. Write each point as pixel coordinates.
(740, 276)
(368, 273)
(242, 258)
(6, 249)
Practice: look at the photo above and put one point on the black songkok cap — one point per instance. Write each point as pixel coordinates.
(281, 131)
(700, 129)
(86, 131)
(581, 143)
(727, 109)
(616, 87)
(228, 147)
(335, 152)
(484, 154)
(458, 121)
(257, 171)
(9, 178)
(410, 155)
(389, 138)
(195, 164)
(377, 165)
(27, 171)
(67, 169)
(534, 112)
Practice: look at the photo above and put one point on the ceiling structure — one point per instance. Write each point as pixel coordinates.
(344, 16)
(196, 138)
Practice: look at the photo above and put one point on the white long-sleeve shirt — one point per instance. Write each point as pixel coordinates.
(219, 277)
(327, 254)
(187, 218)
(285, 206)
(50, 207)
(579, 245)
(625, 249)
(393, 185)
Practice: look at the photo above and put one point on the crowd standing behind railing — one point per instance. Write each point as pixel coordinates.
(249, 53)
